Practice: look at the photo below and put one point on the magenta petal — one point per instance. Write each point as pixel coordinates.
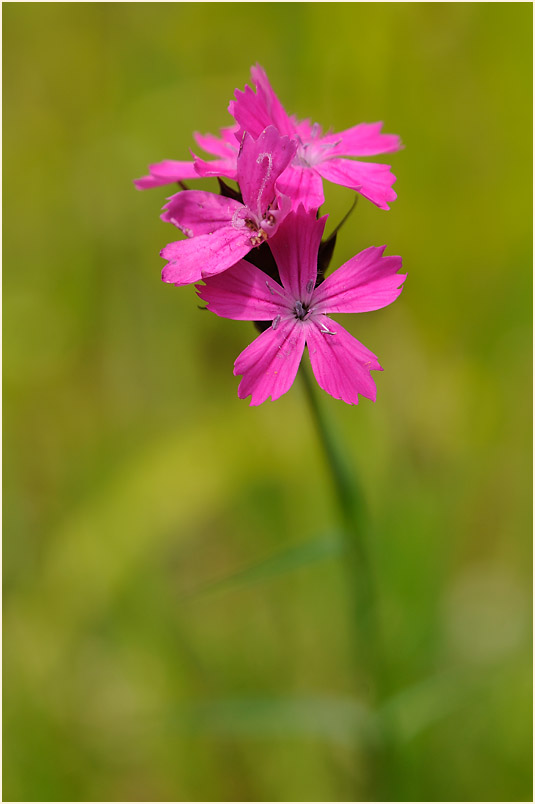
(196, 212)
(366, 282)
(166, 172)
(369, 179)
(278, 114)
(304, 128)
(226, 148)
(340, 363)
(260, 164)
(295, 248)
(270, 363)
(244, 293)
(303, 186)
(226, 167)
(362, 140)
(249, 111)
(253, 112)
(205, 255)
(219, 146)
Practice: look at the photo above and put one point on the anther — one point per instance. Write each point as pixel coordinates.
(310, 286)
(258, 238)
(276, 321)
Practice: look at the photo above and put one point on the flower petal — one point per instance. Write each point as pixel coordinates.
(253, 112)
(219, 146)
(362, 140)
(295, 248)
(304, 129)
(216, 167)
(371, 180)
(166, 172)
(269, 364)
(208, 254)
(302, 185)
(196, 212)
(278, 113)
(340, 363)
(244, 293)
(366, 282)
(260, 164)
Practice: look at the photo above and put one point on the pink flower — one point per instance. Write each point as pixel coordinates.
(298, 312)
(223, 230)
(318, 156)
(169, 171)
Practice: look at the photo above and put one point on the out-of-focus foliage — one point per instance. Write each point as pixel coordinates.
(176, 623)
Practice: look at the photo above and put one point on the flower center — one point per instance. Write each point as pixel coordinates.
(310, 152)
(300, 310)
(307, 155)
(260, 227)
(314, 150)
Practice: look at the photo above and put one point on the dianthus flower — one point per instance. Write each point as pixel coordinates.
(222, 230)
(318, 156)
(298, 309)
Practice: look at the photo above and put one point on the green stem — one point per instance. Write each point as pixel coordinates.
(356, 531)
(346, 490)
(354, 520)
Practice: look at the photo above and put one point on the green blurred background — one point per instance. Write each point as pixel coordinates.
(176, 620)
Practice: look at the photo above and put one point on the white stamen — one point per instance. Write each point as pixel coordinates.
(238, 222)
(259, 160)
(327, 331)
(310, 286)
(273, 290)
(276, 322)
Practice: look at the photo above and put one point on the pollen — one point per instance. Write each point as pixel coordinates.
(259, 238)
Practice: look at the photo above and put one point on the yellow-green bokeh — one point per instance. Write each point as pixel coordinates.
(134, 477)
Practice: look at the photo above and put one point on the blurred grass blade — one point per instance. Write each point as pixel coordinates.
(295, 557)
(417, 708)
(333, 719)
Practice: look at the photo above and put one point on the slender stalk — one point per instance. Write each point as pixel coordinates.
(355, 525)
(354, 520)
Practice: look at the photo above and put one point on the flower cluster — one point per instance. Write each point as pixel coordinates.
(259, 250)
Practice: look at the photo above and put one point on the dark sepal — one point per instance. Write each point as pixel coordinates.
(262, 325)
(326, 248)
(325, 255)
(229, 192)
(262, 257)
